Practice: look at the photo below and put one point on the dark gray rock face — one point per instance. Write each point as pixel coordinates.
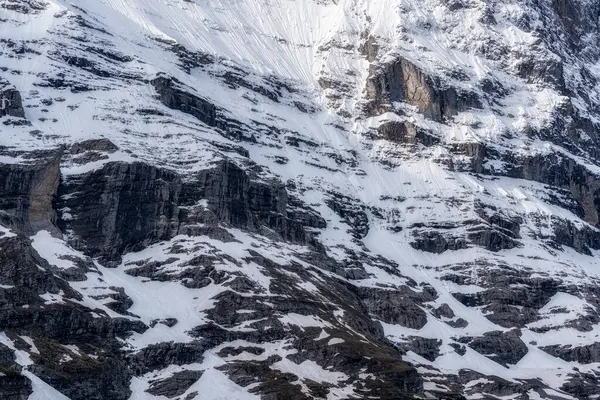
(352, 212)
(7, 357)
(574, 187)
(429, 349)
(158, 356)
(492, 385)
(493, 231)
(549, 71)
(28, 191)
(575, 20)
(403, 81)
(509, 226)
(13, 385)
(173, 95)
(19, 268)
(582, 385)
(582, 354)
(583, 238)
(492, 238)
(396, 380)
(100, 379)
(443, 311)
(29, 7)
(28, 276)
(174, 385)
(93, 145)
(90, 151)
(503, 347)
(436, 242)
(238, 198)
(10, 101)
(477, 153)
(511, 298)
(479, 235)
(562, 172)
(352, 355)
(28, 206)
(395, 307)
(406, 133)
(200, 273)
(121, 207)
(124, 207)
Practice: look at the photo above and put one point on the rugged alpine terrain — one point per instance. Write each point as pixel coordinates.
(299, 199)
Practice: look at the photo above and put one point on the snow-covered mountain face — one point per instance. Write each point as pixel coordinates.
(299, 199)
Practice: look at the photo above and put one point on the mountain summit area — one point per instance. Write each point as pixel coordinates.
(299, 199)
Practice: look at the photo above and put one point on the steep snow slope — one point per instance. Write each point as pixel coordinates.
(299, 199)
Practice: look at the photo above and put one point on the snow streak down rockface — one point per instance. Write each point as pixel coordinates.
(299, 199)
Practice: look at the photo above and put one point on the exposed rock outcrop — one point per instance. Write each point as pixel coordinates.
(503, 347)
(11, 103)
(28, 192)
(240, 198)
(406, 133)
(120, 207)
(87, 378)
(582, 354)
(352, 212)
(26, 277)
(511, 298)
(396, 306)
(124, 207)
(403, 81)
(582, 385)
(172, 94)
(13, 385)
(175, 385)
(436, 242)
(562, 172)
